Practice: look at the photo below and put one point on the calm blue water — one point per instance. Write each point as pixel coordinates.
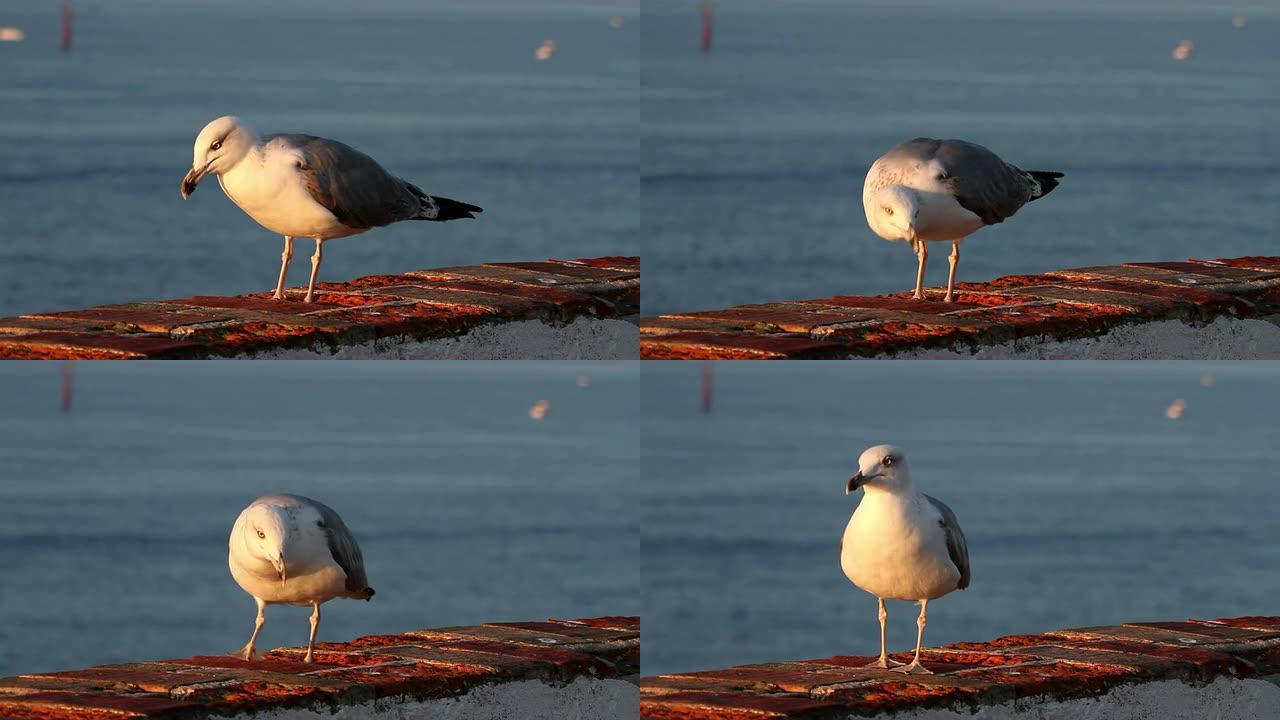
(446, 93)
(753, 155)
(114, 518)
(1083, 504)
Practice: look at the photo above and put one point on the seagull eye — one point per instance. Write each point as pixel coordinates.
(216, 145)
(888, 211)
(887, 461)
(262, 535)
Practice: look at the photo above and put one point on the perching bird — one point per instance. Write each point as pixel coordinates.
(927, 190)
(306, 186)
(901, 544)
(293, 550)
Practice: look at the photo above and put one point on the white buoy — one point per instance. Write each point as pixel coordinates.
(1206, 380)
(12, 34)
(546, 50)
(539, 410)
(1183, 50)
(616, 22)
(1239, 21)
(584, 381)
(1175, 410)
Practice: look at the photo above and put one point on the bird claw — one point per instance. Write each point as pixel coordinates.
(915, 668)
(309, 658)
(884, 663)
(949, 298)
(247, 654)
(278, 296)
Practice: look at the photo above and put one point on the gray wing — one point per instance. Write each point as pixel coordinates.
(982, 183)
(342, 546)
(352, 185)
(957, 546)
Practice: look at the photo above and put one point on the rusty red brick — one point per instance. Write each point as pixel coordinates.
(695, 705)
(497, 663)
(578, 271)
(416, 680)
(1209, 303)
(540, 636)
(901, 302)
(63, 704)
(613, 262)
(615, 622)
(567, 663)
(261, 302)
(499, 304)
(508, 274)
(1183, 275)
(779, 677)
(570, 302)
(728, 346)
(1252, 262)
(282, 666)
(411, 321)
(1063, 664)
(1217, 271)
(404, 667)
(775, 317)
(137, 318)
(154, 678)
(414, 306)
(1062, 305)
(99, 346)
(576, 632)
(1263, 623)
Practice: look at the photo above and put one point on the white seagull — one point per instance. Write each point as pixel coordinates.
(307, 186)
(293, 550)
(901, 544)
(927, 190)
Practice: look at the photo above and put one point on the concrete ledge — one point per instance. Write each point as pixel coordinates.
(560, 308)
(1081, 312)
(1226, 668)
(555, 669)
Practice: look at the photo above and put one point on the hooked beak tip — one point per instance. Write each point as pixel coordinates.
(854, 483)
(191, 180)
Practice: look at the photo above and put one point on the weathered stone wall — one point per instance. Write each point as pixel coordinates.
(1227, 308)
(570, 309)
(1227, 669)
(554, 670)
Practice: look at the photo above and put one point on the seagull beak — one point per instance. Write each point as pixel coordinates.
(192, 179)
(855, 482)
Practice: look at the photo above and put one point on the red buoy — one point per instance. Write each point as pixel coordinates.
(66, 387)
(707, 369)
(706, 26)
(67, 15)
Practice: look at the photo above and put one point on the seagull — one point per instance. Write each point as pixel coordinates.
(927, 190)
(901, 544)
(293, 550)
(307, 186)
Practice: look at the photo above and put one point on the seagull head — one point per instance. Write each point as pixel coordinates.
(893, 211)
(266, 535)
(882, 466)
(219, 146)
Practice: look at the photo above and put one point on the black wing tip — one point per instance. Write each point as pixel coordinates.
(368, 593)
(1047, 179)
(450, 209)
